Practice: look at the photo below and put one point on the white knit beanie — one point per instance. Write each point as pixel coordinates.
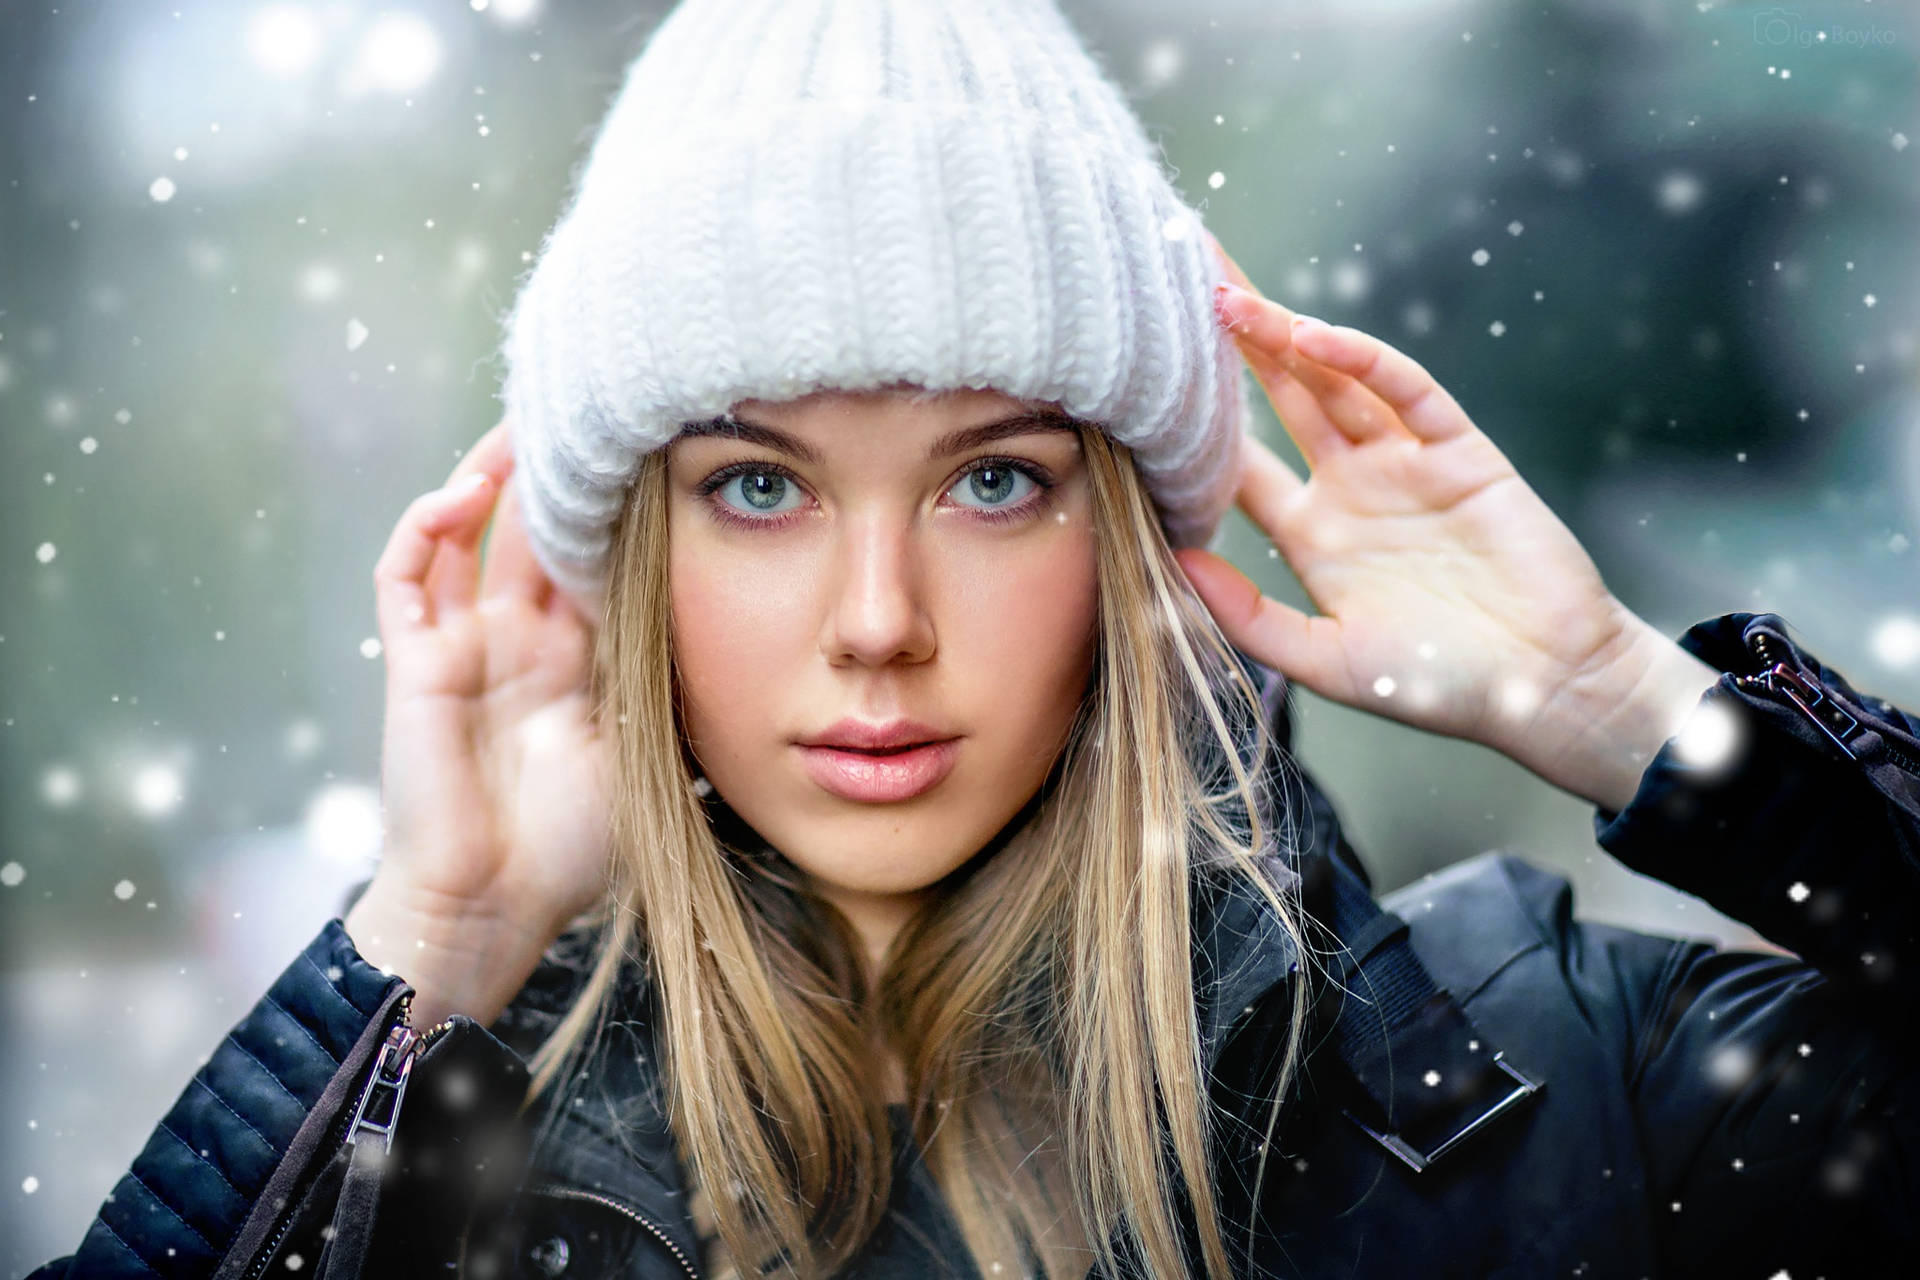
(794, 195)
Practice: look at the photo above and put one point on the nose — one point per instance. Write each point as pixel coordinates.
(877, 608)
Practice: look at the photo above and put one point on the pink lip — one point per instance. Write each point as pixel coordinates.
(876, 779)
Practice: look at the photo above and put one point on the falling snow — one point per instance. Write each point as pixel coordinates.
(317, 274)
(1679, 192)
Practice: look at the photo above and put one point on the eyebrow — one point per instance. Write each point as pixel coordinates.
(952, 442)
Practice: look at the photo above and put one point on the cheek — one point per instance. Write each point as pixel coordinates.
(1026, 647)
(733, 642)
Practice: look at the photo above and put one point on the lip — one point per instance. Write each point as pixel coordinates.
(878, 779)
(849, 732)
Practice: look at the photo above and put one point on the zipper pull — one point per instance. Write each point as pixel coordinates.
(1786, 679)
(379, 1107)
(1827, 715)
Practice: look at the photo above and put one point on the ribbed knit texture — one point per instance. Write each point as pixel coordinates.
(793, 195)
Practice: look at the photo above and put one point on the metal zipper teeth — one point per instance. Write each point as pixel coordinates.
(1764, 646)
(264, 1258)
(623, 1208)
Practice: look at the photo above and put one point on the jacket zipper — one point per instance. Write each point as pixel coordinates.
(391, 1068)
(619, 1206)
(1780, 678)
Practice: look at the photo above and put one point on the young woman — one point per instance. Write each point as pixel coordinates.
(850, 832)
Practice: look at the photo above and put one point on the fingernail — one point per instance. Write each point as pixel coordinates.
(1230, 303)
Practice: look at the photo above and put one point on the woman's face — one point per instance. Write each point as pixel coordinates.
(861, 557)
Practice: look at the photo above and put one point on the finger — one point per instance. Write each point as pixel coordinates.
(402, 602)
(510, 569)
(1262, 330)
(485, 454)
(1422, 405)
(1279, 636)
(452, 580)
(1355, 410)
(1277, 333)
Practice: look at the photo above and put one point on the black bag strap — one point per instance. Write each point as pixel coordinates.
(1430, 1078)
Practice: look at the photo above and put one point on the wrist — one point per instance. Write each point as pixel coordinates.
(459, 957)
(1596, 737)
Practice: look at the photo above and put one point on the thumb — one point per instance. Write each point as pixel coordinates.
(1300, 647)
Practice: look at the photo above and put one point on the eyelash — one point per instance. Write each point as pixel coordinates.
(707, 488)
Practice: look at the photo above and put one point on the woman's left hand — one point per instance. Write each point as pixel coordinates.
(1451, 597)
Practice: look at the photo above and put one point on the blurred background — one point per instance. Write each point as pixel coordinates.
(253, 259)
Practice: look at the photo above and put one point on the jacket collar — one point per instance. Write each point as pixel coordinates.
(1241, 948)
(612, 1138)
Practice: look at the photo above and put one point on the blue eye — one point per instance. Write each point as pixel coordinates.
(762, 490)
(993, 482)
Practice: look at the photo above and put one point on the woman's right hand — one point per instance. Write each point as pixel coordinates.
(494, 774)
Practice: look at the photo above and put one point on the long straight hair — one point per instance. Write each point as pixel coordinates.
(1043, 1003)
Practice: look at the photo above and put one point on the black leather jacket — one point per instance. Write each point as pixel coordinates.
(1703, 1112)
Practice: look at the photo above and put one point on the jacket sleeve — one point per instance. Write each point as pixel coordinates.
(1778, 1097)
(266, 1099)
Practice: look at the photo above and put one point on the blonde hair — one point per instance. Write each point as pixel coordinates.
(1043, 1005)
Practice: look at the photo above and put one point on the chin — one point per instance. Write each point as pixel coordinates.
(897, 864)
